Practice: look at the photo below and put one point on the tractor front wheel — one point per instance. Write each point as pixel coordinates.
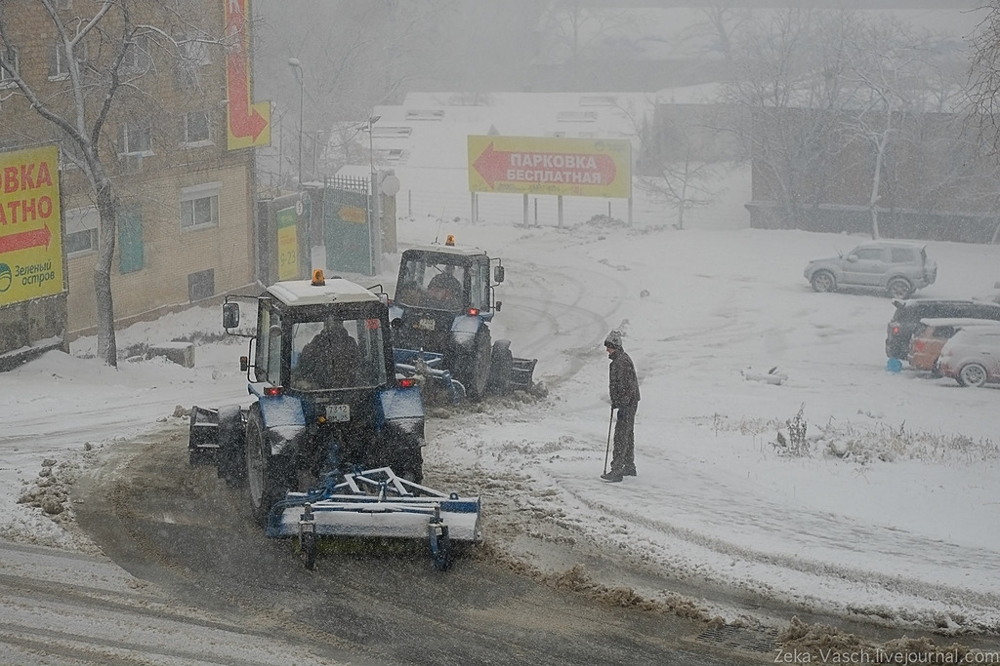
(475, 367)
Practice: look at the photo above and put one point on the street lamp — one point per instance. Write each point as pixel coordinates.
(371, 148)
(373, 228)
(300, 77)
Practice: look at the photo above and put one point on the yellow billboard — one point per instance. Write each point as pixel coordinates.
(247, 124)
(288, 244)
(31, 263)
(536, 165)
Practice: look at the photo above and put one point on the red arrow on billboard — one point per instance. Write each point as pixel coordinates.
(534, 167)
(26, 240)
(244, 121)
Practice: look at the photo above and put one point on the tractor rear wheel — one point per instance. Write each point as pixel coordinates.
(501, 367)
(474, 367)
(267, 475)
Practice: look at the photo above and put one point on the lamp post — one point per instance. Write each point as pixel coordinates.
(371, 146)
(374, 230)
(297, 68)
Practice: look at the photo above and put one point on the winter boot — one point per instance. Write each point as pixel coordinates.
(613, 476)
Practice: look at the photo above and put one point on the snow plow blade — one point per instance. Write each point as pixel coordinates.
(521, 374)
(203, 434)
(377, 503)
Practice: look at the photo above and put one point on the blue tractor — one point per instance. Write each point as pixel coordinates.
(443, 305)
(328, 413)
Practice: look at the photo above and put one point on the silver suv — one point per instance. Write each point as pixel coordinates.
(897, 268)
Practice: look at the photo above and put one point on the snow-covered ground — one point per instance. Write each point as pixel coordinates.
(890, 513)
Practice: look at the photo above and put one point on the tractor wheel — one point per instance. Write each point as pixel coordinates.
(411, 464)
(267, 475)
(231, 457)
(474, 367)
(823, 281)
(501, 367)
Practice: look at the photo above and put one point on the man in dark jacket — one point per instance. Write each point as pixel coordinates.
(623, 386)
(331, 359)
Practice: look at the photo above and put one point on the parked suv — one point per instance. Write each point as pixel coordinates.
(906, 319)
(898, 268)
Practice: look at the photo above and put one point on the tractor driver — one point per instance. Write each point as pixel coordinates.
(331, 359)
(445, 289)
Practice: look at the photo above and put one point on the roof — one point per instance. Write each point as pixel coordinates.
(457, 250)
(892, 243)
(958, 321)
(303, 292)
(929, 301)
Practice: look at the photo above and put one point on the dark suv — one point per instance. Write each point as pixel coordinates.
(906, 320)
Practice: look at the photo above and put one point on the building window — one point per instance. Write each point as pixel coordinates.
(130, 243)
(197, 131)
(59, 63)
(200, 206)
(194, 53)
(81, 231)
(194, 49)
(201, 285)
(10, 57)
(136, 138)
(137, 57)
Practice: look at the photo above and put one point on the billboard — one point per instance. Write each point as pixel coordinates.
(247, 124)
(537, 165)
(31, 261)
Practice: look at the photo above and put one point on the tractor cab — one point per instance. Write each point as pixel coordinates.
(321, 335)
(448, 278)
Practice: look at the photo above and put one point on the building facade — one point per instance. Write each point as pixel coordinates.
(185, 201)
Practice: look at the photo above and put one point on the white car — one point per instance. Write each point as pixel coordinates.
(972, 356)
(897, 268)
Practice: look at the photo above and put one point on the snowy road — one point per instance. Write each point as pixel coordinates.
(888, 519)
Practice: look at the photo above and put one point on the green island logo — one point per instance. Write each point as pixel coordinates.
(6, 277)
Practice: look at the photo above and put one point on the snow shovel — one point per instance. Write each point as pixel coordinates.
(607, 451)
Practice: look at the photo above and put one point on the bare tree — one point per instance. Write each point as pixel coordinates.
(787, 82)
(353, 57)
(984, 86)
(676, 167)
(682, 184)
(836, 104)
(984, 78)
(575, 30)
(887, 73)
(722, 22)
(103, 49)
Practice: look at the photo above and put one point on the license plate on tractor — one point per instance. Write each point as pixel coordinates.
(426, 325)
(338, 413)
